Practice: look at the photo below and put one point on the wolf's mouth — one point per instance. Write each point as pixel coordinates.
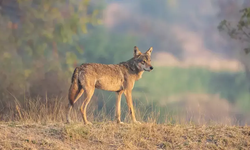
(147, 70)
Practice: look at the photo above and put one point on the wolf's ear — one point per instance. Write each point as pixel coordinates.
(137, 52)
(149, 51)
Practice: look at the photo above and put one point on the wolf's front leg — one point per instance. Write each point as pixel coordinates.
(118, 106)
(128, 95)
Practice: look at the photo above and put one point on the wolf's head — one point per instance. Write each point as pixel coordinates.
(143, 60)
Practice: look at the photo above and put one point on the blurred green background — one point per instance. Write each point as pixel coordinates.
(42, 41)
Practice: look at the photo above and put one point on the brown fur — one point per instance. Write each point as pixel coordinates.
(119, 78)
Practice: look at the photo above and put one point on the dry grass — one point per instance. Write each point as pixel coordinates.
(109, 135)
(39, 124)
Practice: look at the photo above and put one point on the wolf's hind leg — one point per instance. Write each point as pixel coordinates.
(87, 97)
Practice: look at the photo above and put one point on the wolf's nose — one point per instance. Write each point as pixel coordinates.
(151, 68)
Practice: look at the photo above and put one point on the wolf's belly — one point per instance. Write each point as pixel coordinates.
(109, 85)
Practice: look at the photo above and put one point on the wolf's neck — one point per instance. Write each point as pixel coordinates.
(132, 69)
(139, 75)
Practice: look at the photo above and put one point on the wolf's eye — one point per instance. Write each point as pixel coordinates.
(143, 61)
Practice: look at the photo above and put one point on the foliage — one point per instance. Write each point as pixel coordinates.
(242, 30)
(45, 26)
(36, 37)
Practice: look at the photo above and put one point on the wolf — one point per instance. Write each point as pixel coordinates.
(119, 78)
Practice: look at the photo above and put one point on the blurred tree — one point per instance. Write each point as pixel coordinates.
(46, 25)
(240, 32)
(35, 35)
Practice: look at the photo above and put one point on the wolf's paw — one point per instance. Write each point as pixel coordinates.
(136, 122)
(88, 123)
(120, 122)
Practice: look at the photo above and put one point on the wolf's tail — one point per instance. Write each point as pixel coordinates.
(75, 86)
(74, 77)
